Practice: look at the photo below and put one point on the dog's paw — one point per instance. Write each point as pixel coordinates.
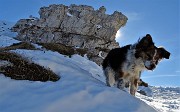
(120, 84)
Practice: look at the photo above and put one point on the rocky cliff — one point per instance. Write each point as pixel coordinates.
(75, 26)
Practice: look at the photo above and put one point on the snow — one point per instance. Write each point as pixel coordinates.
(100, 54)
(164, 99)
(98, 26)
(148, 90)
(6, 35)
(69, 14)
(5, 63)
(32, 17)
(81, 88)
(7, 41)
(77, 90)
(5, 28)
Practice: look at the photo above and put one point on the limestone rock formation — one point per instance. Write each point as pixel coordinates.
(78, 26)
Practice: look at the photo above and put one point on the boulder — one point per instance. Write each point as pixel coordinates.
(77, 26)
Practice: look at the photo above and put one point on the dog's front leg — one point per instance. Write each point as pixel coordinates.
(134, 86)
(120, 83)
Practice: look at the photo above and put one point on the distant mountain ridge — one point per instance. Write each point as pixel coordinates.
(165, 99)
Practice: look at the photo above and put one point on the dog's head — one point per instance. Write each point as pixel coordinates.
(145, 50)
(160, 54)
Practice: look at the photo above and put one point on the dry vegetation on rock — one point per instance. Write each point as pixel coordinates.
(19, 68)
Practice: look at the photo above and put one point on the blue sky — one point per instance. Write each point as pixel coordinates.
(160, 18)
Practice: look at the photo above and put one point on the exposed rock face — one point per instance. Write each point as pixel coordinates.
(76, 26)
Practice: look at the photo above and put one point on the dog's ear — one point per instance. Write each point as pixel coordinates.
(148, 37)
(146, 41)
(164, 53)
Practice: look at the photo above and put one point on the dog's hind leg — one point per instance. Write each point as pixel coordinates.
(110, 76)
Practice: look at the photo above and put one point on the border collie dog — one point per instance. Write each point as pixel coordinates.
(124, 65)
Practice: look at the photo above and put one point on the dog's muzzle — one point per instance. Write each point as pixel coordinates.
(150, 65)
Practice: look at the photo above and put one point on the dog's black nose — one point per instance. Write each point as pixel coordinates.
(164, 53)
(153, 66)
(167, 55)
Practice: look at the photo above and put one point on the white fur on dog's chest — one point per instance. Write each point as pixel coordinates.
(132, 66)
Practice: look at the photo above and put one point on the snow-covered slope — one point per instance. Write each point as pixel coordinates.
(5, 28)
(80, 89)
(6, 34)
(76, 91)
(164, 99)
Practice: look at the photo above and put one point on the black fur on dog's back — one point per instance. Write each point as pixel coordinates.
(116, 57)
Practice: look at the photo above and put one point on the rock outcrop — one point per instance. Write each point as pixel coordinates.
(77, 26)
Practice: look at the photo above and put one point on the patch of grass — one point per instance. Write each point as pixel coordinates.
(81, 52)
(63, 49)
(21, 45)
(60, 48)
(102, 49)
(22, 69)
